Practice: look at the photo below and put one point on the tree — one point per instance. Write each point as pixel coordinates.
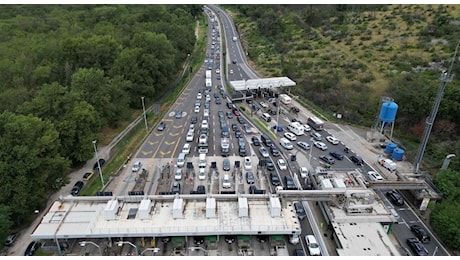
(29, 162)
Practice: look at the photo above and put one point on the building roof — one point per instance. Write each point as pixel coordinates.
(240, 85)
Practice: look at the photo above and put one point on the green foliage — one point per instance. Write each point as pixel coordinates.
(5, 221)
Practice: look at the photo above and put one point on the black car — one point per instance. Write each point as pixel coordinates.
(242, 151)
(357, 160)
(395, 198)
(266, 140)
(194, 120)
(11, 238)
(175, 188)
(252, 189)
(161, 126)
(250, 177)
(420, 233)
(201, 189)
(270, 165)
(230, 239)
(289, 182)
(240, 119)
(229, 115)
(301, 214)
(274, 151)
(96, 165)
(416, 246)
(77, 188)
(32, 247)
(238, 133)
(262, 238)
(299, 252)
(275, 179)
(255, 141)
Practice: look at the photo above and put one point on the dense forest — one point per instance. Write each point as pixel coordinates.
(69, 71)
(345, 58)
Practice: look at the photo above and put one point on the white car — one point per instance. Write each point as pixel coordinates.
(231, 71)
(205, 124)
(282, 164)
(312, 245)
(217, 71)
(332, 139)
(137, 166)
(197, 109)
(374, 176)
(247, 163)
(320, 145)
(202, 174)
(303, 145)
(263, 104)
(189, 137)
(264, 152)
(306, 128)
(178, 175)
(186, 148)
(316, 136)
(303, 172)
(290, 136)
(199, 96)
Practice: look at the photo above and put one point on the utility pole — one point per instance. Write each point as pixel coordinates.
(446, 77)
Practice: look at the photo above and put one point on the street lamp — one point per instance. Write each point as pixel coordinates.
(98, 163)
(193, 248)
(120, 243)
(145, 117)
(83, 243)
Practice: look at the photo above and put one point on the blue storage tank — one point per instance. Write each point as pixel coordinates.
(397, 154)
(390, 147)
(388, 111)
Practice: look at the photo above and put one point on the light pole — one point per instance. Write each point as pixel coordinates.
(120, 243)
(145, 117)
(83, 243)
(98, 163)
(154, 249)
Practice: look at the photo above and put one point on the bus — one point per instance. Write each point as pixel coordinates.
(315, 123)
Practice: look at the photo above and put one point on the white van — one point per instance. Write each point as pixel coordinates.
(266, 117)
(296, 128)
(181, 160)
(202, 160)
(286, 143)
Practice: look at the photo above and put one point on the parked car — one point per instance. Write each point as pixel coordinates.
(420, 233)
(11, 238)
(202, 174)
(320, 145)
(395, 198)
(299, 209)
(282, 164)
(336, 155)
(332, 139)
(303, 145)
(327, 159)
(32, 247)
(416, 246)
(247, 163)
(201, 189)
(96, 165)
(77, 188)
(178, 174)
(88, 175)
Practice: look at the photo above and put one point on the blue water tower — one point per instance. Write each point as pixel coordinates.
(397, 154)
(390, 148)
(388, 112)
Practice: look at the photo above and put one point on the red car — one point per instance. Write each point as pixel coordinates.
(236, 112)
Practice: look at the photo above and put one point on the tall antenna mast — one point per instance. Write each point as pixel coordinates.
(446, 77)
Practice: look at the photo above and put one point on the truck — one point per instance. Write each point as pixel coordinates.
(386, 163)
(285, 99)
(208, 74)
(225, 146)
